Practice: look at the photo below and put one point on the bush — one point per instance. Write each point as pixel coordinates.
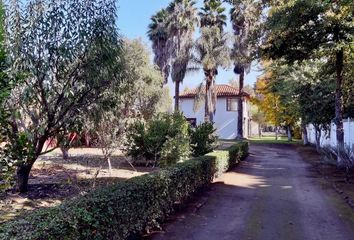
(124, 209)
(229, 158)
(203, 139)
(163, 140)
(297, 132)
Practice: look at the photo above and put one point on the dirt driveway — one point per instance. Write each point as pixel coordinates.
(271, 196)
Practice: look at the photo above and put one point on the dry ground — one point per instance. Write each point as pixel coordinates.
(54, 179)
(331, 174)
(273, 195)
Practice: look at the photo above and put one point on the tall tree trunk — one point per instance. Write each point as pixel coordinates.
(304, 134)
(240, 105)
(290, 137)
(339, 104)
(212, 101)
(276, 132)
(207, 97)
(206, 104)
(177, 83)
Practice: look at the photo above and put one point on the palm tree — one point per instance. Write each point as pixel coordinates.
(244, 15)
(212, 14)
(211, 52)
(182, 23)
(158, 34)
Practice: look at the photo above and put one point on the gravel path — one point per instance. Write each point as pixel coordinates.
(271, 196)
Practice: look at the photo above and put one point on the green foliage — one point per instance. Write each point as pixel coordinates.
(7, 164)
(158, 33)
(13, 155)
(142, 89)
(245, 17)
(128, 208)
(297, 133)
(229, 158)
(299, 29)
(177, 145)
(212, 14)
(211, 52)
(5, 85)
(203, 139)
(68, 54)
(163, 140)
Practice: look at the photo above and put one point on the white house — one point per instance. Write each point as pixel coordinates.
(225, 119)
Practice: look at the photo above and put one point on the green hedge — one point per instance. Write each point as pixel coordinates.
(127, 208)
(229, 158)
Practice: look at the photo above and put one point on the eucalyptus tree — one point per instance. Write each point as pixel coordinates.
(6, 170)
(66, 52)
(182, 23)
(245, 17)
(4, 80)
(142, 87)
(159, 35)
(303, 29)
(211, 50)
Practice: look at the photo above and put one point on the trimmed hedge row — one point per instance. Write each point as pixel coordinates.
(127, 208)
(227, 159)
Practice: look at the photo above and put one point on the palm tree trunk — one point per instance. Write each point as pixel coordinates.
(177, 83)
(207, 98)
(240, 105)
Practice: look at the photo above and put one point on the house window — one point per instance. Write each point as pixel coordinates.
(231, 104)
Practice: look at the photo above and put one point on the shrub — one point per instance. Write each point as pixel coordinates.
(229, 158)
(297, 133)
(164, 139)
(203, 139)
(124, 209)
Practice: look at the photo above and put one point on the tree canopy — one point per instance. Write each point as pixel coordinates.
(65, 53)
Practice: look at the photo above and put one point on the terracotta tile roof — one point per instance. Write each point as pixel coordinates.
(222, 90)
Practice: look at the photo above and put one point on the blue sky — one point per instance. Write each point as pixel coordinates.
(133, 20)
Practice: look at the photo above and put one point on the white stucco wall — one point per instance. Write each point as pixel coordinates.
(330, 138)
(225, 122)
